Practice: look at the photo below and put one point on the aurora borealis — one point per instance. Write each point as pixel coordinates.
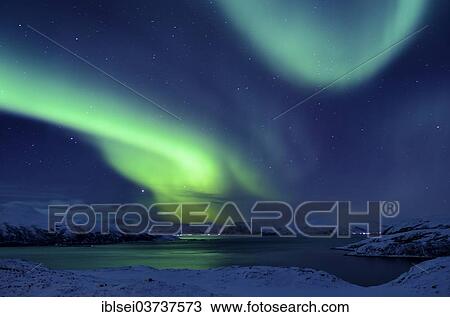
(149, 150)
(225, 68)
(314, 42)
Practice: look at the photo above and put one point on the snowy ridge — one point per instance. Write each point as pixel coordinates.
(20, 278)
(418, 238)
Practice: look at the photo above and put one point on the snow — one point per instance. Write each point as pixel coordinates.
(21, 278)
(426, 278)
(415, 238)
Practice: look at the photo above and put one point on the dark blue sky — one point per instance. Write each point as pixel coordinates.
(386, 138)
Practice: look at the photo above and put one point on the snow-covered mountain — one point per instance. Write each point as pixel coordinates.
(23, 214)
(23, 224)
(414, 238)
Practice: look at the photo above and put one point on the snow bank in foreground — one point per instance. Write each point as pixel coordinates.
(20, 278)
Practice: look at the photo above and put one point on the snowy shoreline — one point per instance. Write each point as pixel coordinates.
(22, 278)
(390, 256)
(417, 239)
(421, 239)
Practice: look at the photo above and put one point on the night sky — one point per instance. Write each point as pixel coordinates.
(91, 129)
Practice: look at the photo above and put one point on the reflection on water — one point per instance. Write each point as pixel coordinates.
(209, 253)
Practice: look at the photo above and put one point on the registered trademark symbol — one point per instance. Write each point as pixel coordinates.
(390, 209)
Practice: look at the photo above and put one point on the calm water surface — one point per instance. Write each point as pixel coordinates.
(210, 253)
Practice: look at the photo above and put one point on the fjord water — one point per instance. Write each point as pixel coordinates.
(192, 253)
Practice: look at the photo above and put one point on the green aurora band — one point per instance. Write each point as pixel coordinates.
(163, 155)
(314, 42)
(171, 158)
